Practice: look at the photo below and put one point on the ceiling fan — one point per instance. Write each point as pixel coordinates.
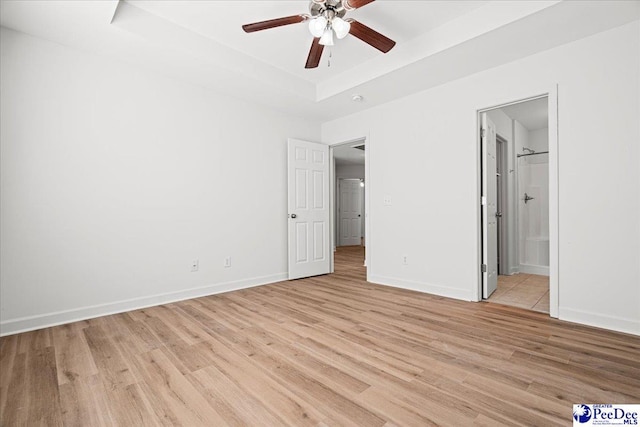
(325, 20)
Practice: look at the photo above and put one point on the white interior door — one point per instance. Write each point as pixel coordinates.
(489, 208)
(350, 212)
(309, 213)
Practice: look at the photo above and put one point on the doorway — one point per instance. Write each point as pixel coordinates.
(349, 198)
(518, 205)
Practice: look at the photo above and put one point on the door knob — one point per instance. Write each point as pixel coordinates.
(527, 198)
(294, 216)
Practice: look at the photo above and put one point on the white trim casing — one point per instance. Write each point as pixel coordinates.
(554, 185)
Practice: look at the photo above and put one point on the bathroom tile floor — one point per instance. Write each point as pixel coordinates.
(528, 291)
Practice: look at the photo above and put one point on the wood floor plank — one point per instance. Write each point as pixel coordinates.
(73, 356)
(42, 385)
(84, 402)
(542, 405)
(112, 367)
(139, 333)
(491, 405)
(236, 405)
(35, 340)
(345, 410)
(175, 391)
(182, 326)
(8, 355)
(322, 351)
(242, 371)
(403, 410)
(16, 396)
(308, 363)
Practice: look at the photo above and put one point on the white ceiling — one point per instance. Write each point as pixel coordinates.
(533, 115)
(201, 42)
(286, 48)
(347, 155)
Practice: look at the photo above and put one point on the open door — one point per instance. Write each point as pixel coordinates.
(489, 208)
(309, 213)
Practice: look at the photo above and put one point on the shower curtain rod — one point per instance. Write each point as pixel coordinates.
(532, 154)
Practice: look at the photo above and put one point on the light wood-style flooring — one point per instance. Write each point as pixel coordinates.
(528, 291)
(324, 351)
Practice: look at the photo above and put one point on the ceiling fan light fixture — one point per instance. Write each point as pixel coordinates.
(327, 38)
(326, 22)
(341, 27)
(317, 26)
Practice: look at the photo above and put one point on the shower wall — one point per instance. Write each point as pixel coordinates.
(533, 216)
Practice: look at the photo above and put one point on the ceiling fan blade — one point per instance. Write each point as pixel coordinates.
(355, 4)
(273, 23)
(371, 37)
(313, 60)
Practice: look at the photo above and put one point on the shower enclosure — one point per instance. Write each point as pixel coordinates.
(533, 211)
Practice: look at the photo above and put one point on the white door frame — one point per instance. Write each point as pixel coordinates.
(554, 283)
(332, 198)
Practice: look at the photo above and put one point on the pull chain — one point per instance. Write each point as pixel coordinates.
(329, 60)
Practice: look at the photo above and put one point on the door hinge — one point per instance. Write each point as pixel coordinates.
(483, 200)
(482, 132)
(484, 268)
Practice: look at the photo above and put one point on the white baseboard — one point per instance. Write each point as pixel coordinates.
(30, 323)
(627, 326)
(426, 288)
(514, 270)
(534, 269)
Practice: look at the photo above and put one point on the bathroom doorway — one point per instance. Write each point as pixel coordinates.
(516, 204)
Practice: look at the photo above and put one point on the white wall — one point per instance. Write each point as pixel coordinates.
(539, 139)
(115, 179)
(350, 171)
(521, 137)
(504, 125)
(433, 217)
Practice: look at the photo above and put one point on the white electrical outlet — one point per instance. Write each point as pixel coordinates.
(405, 260)
(195, 265)
(386, 200)
(227, 262)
